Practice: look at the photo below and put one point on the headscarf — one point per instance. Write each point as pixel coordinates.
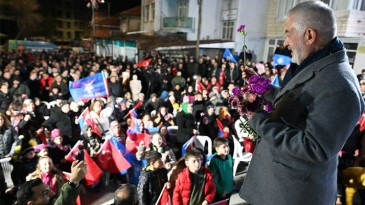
(184, 107)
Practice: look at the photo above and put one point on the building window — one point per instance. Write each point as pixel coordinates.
(283, 7)
(69, 35)
(228, 27)
(358, 5)
(146, 13)
(183, 8)
(68, 24)
(328, 2)
(152, 11)
(272, 45)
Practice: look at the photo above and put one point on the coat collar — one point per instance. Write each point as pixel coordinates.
(308, 72)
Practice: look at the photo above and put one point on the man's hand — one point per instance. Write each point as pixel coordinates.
(249, 72)
(249, 115)
(27, 117)
(205, 202)
(78, 171)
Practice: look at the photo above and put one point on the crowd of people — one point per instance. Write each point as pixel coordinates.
(39, 118)
(39, 123)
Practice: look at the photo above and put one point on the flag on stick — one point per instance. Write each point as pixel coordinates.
(281, 60)
(85, 118)
(90, 87)
(228, 54)
(111, 159)
(164, 198)
(144, 63)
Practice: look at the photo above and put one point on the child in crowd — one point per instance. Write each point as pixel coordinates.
(48, 173)
(57, 151)
(158, 144)
(91, 141)
(222, 167)
(41, 150)
(152, 179)
(195, 184)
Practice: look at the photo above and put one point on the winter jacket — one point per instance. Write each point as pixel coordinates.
(150, 185)
(68, 195)
(60, 120)
(186, 124)
(183, 187)
(5, 101)
(8, 139)
(222, 170)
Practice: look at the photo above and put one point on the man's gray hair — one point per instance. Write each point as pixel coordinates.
(316, 15)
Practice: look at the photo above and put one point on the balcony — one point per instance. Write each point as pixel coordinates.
(178, 22)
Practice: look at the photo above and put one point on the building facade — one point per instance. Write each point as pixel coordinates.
(220, 20)
(350, 16)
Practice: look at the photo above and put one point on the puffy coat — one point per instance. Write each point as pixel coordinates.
(183, 187)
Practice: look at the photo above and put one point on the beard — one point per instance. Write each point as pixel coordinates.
(297, 54)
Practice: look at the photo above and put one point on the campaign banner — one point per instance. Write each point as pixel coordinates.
(89, 87)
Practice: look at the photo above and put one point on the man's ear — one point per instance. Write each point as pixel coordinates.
(310, 36)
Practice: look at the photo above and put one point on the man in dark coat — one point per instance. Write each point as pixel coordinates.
(295, 162)
(61, 120)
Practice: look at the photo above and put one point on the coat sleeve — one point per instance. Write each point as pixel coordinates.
(68, 195)
(177, 197)
(142, 189)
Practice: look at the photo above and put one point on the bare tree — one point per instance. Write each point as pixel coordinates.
(25, 15)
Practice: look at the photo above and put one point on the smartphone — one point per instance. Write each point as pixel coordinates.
(80, 155)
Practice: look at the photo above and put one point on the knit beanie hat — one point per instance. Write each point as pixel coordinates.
(56, 133)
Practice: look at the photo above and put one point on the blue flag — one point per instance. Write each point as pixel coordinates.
(281, 60)
(228, 54)
(276, 81)
(90, 87)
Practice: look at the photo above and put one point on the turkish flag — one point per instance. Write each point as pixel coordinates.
(72, 155)
(144, 63)
(85, 118)
(164, 198)
(111, 159)
(93, 171)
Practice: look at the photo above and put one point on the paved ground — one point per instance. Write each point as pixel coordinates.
(104, 195)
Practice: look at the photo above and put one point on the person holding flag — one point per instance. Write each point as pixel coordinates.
(152, 179)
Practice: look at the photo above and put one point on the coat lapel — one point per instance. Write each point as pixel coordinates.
(308, 73)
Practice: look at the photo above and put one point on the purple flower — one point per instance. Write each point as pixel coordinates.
(269, 107)
(253, 79)
(236, 91)
(241, 28)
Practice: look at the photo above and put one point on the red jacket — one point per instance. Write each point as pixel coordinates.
(182, 189)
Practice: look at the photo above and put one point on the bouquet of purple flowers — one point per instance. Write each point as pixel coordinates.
(250, 97)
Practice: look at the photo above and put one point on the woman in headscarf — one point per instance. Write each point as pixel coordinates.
(186, 124)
